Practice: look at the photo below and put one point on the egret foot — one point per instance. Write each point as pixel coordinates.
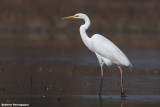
(123, 93)
(99, 94)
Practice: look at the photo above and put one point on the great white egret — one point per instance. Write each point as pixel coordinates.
(106, 51)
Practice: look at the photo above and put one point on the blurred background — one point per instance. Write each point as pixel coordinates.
(129, 24)
(38, 48)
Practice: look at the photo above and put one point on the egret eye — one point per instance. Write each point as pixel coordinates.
(77, 15)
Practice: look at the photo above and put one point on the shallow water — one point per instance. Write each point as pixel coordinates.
(88, 100)
(67, 80)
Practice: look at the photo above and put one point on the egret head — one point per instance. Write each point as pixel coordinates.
(76, 16)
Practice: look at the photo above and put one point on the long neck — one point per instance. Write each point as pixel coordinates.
(83, 33)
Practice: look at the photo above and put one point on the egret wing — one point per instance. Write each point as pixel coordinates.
(108, 50)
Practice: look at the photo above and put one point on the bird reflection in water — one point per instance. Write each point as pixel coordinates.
(122, 100)
(101, 101)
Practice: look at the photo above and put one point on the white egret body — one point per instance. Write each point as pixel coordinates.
(106, 51)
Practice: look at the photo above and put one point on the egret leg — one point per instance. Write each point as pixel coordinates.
(122, 91)
(101, 79)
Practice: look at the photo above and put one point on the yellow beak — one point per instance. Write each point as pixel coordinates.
(69, 17)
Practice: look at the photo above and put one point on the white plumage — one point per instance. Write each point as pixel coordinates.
(106, 51)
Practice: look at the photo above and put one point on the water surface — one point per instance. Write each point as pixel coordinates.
(73, 79)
